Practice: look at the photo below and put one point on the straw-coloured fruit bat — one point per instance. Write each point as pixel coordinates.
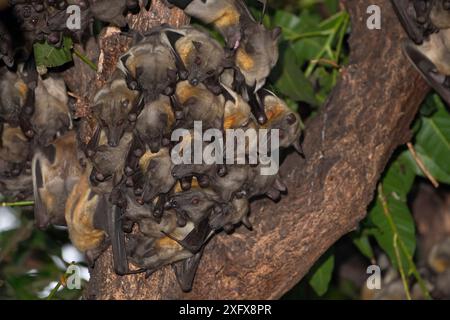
(51, 117)
(109, 162)
(150, 66)
(231, 215)
(82, 212)
(282, 118)
(156, 177)
(256, 46)
(13, 96)
(14, 151)
(115, 106)
(197, 103)
(155, 123)
(430, 52)
(157, 245)
(56, 168)
(229, 17)
(203, 57)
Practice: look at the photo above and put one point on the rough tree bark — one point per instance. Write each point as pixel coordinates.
(347, 146)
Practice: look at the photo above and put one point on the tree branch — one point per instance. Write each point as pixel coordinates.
(367, 116)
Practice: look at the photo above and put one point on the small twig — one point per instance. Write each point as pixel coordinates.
(73, 95)
(327, 62)
(17, 204)
(422, 166)
(85, 60)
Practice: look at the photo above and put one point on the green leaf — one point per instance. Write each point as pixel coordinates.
(397, 224)
(290, 79)
(362, 242)
(321, 274)
(49, 56)
(432, 143)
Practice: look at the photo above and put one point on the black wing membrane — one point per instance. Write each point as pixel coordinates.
(428, 70)
(185, 270)
(401, 7)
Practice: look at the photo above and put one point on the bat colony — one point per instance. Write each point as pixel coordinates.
(122, 188)
(427, 23)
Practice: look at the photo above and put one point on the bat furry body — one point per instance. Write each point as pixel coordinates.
(114, 106)
(52, 116)
(13, 96)
(155, 123)
(56, 168)
(428, 25)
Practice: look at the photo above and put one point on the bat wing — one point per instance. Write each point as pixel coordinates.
(410, 26)
(185, 270)
(117, 241)
(40, 212)
(428, 70)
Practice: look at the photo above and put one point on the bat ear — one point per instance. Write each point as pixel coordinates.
(197, 45)
(276, 33)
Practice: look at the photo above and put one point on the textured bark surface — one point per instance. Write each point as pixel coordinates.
(347, 147)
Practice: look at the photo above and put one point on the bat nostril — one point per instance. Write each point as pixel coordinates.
(112, 143)
(194, 82)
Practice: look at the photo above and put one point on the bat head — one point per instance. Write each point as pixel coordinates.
(112, 106)
(204, 61)
(258, 54)
(282, 118)
(196, 203)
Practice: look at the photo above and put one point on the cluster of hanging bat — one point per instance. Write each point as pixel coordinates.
(427, 23)
(122, 188)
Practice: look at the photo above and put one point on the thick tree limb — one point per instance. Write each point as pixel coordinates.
(348, 145)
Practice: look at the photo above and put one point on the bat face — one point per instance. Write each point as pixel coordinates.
(230, 184)
(109, 162)
(13, 93)
(194, 205)
(150, 65)
(282, 118)
(202, 55)
(52, 116)
(199, 104)
(157, 177)
(237, 112)
(231, 215)
(112, 107)
(257, 54)
(155, 123)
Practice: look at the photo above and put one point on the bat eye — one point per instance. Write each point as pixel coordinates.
(120, 122)
(35, 20)
(291, 119)
(125, 103)
(195, 201)
(210, 72)
(26, 12)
